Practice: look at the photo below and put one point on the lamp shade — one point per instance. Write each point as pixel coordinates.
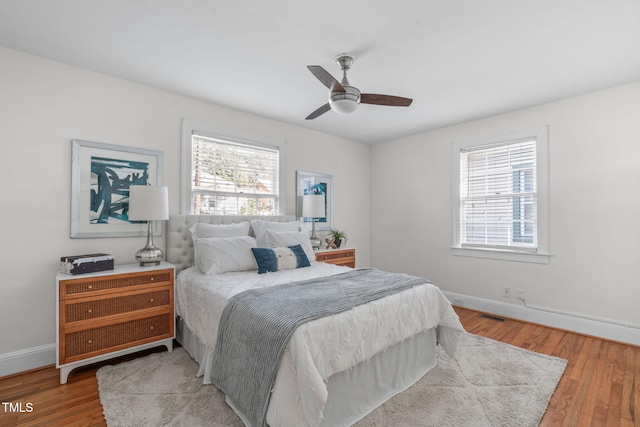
(313, 206)
(148, 202)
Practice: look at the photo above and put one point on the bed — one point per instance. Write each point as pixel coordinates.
(335, 369)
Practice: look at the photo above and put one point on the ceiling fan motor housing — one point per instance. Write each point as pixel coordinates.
(345, 102)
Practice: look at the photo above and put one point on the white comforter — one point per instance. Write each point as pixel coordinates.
(320, 348)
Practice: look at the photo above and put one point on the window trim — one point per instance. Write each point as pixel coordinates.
(542, 254)
(214, 131)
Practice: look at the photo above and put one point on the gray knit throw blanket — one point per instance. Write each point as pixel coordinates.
(256, 326)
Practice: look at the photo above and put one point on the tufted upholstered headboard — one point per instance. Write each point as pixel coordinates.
(180, 244)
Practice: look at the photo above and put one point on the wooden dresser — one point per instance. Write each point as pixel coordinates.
(111, 313)
(346, 257)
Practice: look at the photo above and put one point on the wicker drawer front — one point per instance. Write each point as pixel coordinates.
(328, 256)
(345, 257)
(106, 307)
(93, 340)
(82, 286)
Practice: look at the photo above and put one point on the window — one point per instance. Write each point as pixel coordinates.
(501, 197)
(227, 175)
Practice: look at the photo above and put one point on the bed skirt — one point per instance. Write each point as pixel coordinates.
(352, 394)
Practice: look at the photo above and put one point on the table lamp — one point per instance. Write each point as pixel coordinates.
(148, 203)
(313, 207)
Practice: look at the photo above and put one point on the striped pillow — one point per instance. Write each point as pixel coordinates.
(275, 259)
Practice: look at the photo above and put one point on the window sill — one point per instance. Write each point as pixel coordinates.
(536, 258)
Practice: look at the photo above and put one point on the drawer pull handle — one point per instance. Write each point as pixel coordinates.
(90, 287)
(90, 311)
(151, 300)
(89, 341)
(152, 279)
(151, 328)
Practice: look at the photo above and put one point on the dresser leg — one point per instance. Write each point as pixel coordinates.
(64, 374)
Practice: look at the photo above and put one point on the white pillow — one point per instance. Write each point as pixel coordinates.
(201, 230)
(260, 229)
(276, 239)
(217, 255)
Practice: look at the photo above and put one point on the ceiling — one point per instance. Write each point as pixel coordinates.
(458, 59)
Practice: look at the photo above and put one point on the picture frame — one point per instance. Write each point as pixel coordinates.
(315, 183)
(100, 178)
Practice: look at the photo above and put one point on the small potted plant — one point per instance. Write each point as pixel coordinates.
(337, 236)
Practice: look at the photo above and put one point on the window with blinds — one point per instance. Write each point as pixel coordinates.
(498, 196)
(233, 178)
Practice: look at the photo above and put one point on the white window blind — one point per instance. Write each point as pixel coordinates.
(233, 178)
(498, 196)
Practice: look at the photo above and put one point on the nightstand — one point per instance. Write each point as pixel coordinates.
(111, 313)
(346, 257)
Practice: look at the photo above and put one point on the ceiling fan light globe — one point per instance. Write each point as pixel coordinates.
(343, 106)
(345, 102)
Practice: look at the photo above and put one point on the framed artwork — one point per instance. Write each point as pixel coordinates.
(100, 178)
(315, 183)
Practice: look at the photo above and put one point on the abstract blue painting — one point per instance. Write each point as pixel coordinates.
(110, 181)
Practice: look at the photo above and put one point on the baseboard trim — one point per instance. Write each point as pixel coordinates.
(601, 328)
(25, 360)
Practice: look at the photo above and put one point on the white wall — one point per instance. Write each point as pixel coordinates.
(594, 208)
(594, 146)
(45, 104)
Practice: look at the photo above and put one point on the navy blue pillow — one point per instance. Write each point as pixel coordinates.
(275, 259)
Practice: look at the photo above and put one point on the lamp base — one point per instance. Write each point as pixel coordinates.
(315, 241)
(149, 255)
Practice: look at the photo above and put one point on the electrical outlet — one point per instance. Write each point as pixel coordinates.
(506, 292)
(520, 294)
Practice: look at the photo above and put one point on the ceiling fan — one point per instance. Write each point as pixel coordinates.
(344, 98)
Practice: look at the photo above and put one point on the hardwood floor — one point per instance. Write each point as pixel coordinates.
(75, 403)
(600, 387)
(601, 384)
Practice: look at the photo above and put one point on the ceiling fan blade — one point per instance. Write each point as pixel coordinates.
(394, 101)
(327, 79)
(326, 107)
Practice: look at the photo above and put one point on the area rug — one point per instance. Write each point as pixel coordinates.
(489, 383)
